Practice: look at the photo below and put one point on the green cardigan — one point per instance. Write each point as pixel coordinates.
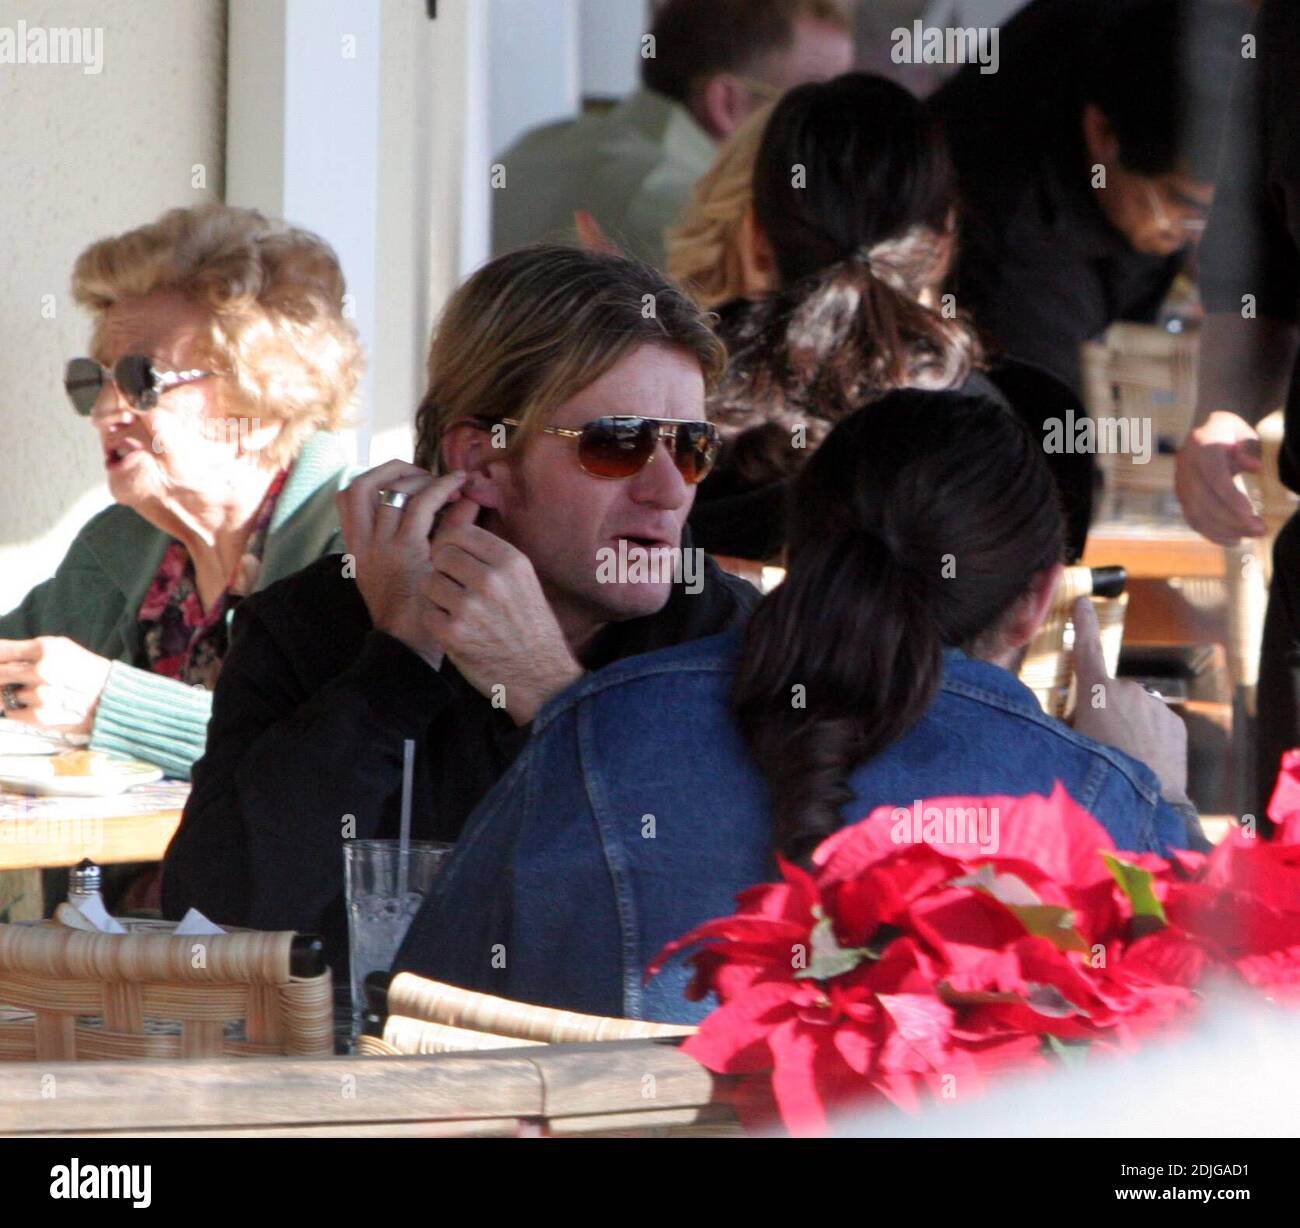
(95, 596)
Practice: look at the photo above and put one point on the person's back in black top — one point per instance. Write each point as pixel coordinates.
(1042, 268)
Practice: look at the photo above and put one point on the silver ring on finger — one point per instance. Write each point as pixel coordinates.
(393, 498)
(9, 697)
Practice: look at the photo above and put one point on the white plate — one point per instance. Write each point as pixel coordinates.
(22, 741)
(33, 774)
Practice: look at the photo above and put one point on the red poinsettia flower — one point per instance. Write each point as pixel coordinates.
(908, 963)
(1284, 806)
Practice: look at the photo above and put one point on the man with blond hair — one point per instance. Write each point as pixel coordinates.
(563, 431)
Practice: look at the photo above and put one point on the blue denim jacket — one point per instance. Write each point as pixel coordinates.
(636, 812)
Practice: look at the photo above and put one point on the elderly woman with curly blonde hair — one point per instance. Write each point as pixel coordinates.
(220, 365)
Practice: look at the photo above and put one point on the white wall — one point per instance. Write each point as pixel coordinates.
(533, 65)
(609, 46)
(85, 155)
(545, 56)
(368, 123)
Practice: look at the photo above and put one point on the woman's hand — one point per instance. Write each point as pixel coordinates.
(57, 681)
(1120, 713)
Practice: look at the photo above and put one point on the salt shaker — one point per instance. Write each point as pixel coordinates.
(84, 884)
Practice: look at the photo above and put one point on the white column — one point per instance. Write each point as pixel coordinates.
(476, 158)
(303, 136)
(367, 122)
(609, 43)
(533, 56)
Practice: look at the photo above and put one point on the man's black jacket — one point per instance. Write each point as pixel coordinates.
(305, 746)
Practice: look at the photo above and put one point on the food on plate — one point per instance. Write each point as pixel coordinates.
(81, 763)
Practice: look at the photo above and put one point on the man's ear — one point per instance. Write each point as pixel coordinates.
(480, 453)
(721, 105)
(1098, 135)
(757, 261)
(1033, 608)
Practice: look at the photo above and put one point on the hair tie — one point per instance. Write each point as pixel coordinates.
(865, 257)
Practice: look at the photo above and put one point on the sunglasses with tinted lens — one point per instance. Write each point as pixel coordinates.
(622, 445)
(135, 375)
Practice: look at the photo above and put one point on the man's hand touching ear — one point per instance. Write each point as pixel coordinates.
(391, 547)
(485, 606)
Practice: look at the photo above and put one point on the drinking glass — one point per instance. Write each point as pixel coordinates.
(385, 888)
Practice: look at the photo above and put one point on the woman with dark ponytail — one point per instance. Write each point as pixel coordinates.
(924, 555)
(918, 531)
(849, 238)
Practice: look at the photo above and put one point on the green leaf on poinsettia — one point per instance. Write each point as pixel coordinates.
(1052, 922)
(1048, 921)
(1072, 1053)
(1050, 1001)
(1136, 883)
(974, 997)
(829, 959)
(1005, 888)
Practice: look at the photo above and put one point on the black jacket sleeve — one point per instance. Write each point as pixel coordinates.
(290, 760)
(1250, 246)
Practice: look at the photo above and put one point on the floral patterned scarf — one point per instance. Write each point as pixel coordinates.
(181, 639)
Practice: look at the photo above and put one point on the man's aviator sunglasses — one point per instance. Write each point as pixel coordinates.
(622, 445)
(138, 380)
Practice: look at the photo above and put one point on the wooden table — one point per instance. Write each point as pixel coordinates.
(44, 832)
(1167, 562)
(595, 1088)
(1154, 551)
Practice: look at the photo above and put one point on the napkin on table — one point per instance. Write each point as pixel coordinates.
(91, 914)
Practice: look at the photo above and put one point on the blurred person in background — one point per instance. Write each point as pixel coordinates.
(709, 65)
(710, 249)
(1086, 166)
(220, 365)
(1250, 278)
(828, 289)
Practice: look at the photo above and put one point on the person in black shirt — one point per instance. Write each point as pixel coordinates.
(1086, 166)
(520, 551)
(1250, 280)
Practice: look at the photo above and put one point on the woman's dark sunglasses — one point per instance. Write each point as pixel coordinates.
(139, 381)
(622, 445)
